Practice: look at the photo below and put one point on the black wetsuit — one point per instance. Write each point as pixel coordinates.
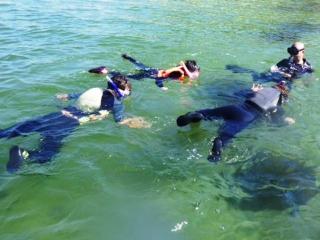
(148, 72)
(53, 128)
(294, 69)
(286, 65)
(236, 117)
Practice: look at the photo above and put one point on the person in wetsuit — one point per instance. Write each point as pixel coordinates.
(294, 66)
(186, 69)
(260, 102)
(54, 127)
(287, 69)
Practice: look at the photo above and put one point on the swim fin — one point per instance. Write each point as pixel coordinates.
(127, 57)
(189, 117)
(16, 159)
(99, 70)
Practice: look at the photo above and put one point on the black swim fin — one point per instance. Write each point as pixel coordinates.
(189, 118)
(97, 70)
(16, 159)
(126, 56)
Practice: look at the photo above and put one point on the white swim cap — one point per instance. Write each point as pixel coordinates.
(90, 100)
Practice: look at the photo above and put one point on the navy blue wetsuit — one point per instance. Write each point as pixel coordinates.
(146, 72)
(286, 65)
(54, 127)
(236, 117)
(294, 69)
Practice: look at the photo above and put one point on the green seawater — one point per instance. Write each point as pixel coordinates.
(113, 182)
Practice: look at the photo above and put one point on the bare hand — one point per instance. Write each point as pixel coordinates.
(289, 120)
(62, 96)
(256, 87)
(136, 122)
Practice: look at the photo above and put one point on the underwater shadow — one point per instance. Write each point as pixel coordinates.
(289, 32)
(263, 77)
(274, 183)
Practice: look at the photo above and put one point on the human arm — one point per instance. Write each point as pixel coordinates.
(102, 114)
(175, 72)
(159, 83)
(309, 67)
(282, 68)
(135, 122)
(67, 96)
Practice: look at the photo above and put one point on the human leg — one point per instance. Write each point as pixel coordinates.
(20, 129)
(53, 129)
(52, 136)
(225, 135)
(230, 112)
(236, 117)
(138, 64)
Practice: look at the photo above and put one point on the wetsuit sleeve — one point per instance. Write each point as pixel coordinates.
(159, 83)
(118, 111)
(284, 63)
(72, 96)
(310, 69)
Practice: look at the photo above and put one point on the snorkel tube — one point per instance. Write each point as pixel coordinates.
(114, 87)
(120, 93)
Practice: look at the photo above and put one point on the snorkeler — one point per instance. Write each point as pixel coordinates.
(260, 102)
(92, 105)
(286, 70)
(294, 66)
(186, 69)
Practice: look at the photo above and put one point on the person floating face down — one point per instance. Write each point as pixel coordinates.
(260, 102)
(186, 69)
(294, 66)
(54, 127)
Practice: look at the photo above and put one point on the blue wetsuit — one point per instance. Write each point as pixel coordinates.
(53, 128)
(146, 72)
(236, 117)
(294, 69)
(286, 65)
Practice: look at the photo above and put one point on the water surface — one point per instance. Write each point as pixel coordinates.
(112, 182)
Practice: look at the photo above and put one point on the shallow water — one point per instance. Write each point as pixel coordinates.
(112, 182)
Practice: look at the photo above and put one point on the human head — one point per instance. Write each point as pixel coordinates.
(193, 70)
(297, 50)
(191, 65)
(120, 84)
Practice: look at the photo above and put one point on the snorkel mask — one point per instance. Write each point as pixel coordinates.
(120, 93)
(293, 51)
